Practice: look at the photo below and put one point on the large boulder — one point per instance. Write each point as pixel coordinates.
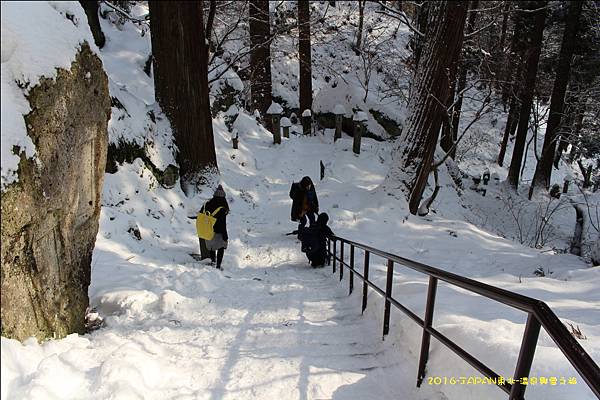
(50, 214)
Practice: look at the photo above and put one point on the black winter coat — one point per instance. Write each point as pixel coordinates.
(221, 216)
(302, 199)
(316, 236)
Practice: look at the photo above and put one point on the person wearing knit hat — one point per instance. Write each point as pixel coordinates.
(217, 245)
(219, 192)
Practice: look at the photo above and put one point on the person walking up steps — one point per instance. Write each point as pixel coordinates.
(219, 209)
(305, 203)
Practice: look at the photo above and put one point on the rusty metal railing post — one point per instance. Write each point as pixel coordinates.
(341, 260)
(388, 294)
(365, 285)
(528, 345)
(351, 280)
(334, 254)
(427, 321)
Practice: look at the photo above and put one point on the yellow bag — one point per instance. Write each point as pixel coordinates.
(205, 223)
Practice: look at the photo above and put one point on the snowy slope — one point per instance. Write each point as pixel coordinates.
(271, 326)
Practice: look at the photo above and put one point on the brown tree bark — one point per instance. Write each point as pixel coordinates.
(442, 46)
(181, 84)
(361, 18)
(422, 21)
(305, 56)
(532, 57)
(91, 11)
(450, 136)
(543, 170)
(212, 10)
(509, 129)
(511, 90)
(260, 56)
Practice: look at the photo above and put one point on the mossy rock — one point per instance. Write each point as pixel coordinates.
(50, 216)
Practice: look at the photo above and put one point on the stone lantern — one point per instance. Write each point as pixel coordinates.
(359, 128)
(275, 111)
(339, 112)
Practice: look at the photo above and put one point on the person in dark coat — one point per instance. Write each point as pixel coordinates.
(305, 203)
(314, 240)
(218, 243)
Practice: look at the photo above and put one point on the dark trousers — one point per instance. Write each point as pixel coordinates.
(218, 255)
(310, 216)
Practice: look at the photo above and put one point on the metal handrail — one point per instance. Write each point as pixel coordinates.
(538, 315)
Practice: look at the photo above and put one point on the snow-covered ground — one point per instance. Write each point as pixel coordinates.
(270, 326)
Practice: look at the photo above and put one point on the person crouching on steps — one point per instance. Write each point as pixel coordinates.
(217, 245)
(314, 241)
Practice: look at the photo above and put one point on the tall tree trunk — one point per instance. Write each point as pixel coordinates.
(511, 90)
(181, 84)
(212, 10)
(413, 160)
(576, 136)
(260, 56)
(305, 56)
(446, 142)
(361, 18)
(566, 129)
(509, 129)
(532, 58)
(91, 11)
(504, 27)
(422, 18)
(543, 170)
(462, 79)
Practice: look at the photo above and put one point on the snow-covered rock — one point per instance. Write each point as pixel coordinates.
(38, 38)
(50, 213)
(285, 122)
(275, 108)
(339, 109)
(360, 116)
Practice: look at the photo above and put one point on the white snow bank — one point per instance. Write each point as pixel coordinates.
(360, 116)
(339, 109)
(37, 38)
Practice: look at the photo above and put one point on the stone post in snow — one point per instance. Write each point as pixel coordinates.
(359, 126)
(306, 122)
(285, 124)
(339, 112)
(275, 111)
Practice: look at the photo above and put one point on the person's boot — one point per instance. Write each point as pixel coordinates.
(213, 257)
(220, 254)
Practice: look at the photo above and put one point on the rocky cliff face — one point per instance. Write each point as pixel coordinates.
(50, 215)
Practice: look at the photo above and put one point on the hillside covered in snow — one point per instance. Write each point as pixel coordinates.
(268, 325)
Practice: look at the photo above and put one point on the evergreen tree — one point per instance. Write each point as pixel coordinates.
(305, 55)
(260, 56)
(536, 15)
(181, 84)
(543, 170)
(441, 47)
